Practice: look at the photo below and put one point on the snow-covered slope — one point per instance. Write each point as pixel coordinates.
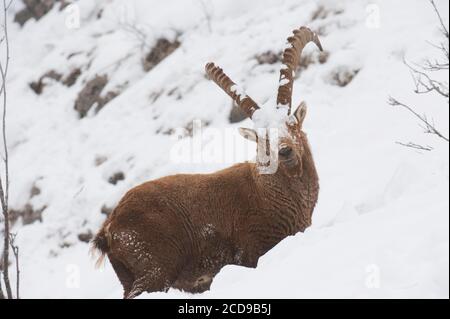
(381, 227)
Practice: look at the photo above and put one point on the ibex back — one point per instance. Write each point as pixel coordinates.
(179, 231)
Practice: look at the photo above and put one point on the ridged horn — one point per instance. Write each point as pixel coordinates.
(291, 57)
(217, 75)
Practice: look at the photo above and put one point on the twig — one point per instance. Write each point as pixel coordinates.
(140, 35)
(2, 295)
(429, 126)
(429, 85)
(435, 65)
(207, 14)
(444, 48)
(416, 146)
(422, 81)
(441, 21)
(15, 250)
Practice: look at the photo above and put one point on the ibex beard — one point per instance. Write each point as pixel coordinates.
(179, 231)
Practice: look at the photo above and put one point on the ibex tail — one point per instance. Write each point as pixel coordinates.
(101, 245)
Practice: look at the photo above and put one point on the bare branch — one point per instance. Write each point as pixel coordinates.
(15, 250)
(416, 146)
(424, 83)
(2, 295)
(441, 21)
(435, 65)
(137, 32)
(4, 185)
(8, 5)
(430, 128)
(207, 13)
(442, 47)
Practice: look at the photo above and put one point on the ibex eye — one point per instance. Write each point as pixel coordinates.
(285, 151)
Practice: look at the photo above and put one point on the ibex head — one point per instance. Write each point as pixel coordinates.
(279, 134)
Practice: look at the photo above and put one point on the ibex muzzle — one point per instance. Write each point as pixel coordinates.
(179, 231)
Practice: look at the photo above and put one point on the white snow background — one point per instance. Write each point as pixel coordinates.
(381, 227)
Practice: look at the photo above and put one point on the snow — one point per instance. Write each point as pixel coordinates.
(270, 116)
(239, 91)
(284, 82)
(381, 227)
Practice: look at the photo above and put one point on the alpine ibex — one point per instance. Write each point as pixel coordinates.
(179, 231)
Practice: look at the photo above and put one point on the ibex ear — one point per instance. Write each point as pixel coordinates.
(248, 133)
(300, 113)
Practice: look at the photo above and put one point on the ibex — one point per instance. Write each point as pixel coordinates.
(179, 231)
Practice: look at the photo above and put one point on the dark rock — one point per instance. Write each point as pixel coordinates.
(71, 55)
(100, 14)
(90, 94)
(86, 237)
(106, 210)
(160, 51)
(35, 191)
(72, 78)
(39, 8)
(236, 114)
(64, 4)
(65, 244)
(312, 58)
(38, 86)
(342, 76)
(268, 57)
(320, 13)
(102, 101)
(69, 80)
(23, 16)
(119, 176)
(99, 160)
(156, 95)
(27, 214)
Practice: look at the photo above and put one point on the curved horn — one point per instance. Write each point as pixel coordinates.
(291, 57)
(222, 80)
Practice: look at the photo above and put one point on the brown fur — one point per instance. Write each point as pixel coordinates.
(179, 231)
